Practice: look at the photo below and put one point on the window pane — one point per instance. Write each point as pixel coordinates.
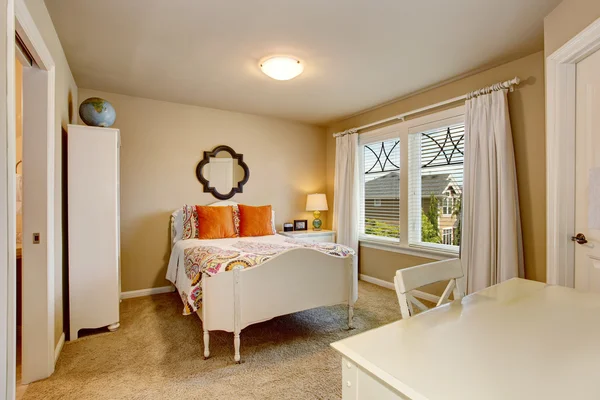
(436, 171)
(447, 236)
(380, 205)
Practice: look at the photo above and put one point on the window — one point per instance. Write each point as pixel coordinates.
(436, 155)
(380, 190)
(447, 205)
(447, 236)
(410, 184)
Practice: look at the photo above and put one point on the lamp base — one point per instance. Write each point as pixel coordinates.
(317, 221)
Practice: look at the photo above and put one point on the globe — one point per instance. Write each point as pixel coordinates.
(97, 112)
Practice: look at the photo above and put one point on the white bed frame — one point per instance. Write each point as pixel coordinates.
(297, 280)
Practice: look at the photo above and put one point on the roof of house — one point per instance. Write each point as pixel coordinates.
(388, 186)
(434, 184)
(384, 187)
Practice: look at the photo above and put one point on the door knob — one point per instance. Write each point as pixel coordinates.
(580, 238)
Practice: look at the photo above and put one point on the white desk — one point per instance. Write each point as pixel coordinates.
(517, 340)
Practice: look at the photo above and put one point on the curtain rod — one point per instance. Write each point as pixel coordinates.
(510, 84)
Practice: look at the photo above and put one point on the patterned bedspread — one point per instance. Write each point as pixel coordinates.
(191, 258)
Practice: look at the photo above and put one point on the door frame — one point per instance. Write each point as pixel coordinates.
(561, 85)
(38, 282)
(39, 337)
(8, 241)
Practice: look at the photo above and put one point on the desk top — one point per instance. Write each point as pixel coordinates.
(516, 340)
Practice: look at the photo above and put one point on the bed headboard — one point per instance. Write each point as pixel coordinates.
(224, 203)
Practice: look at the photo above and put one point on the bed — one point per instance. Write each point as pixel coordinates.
(233, 283)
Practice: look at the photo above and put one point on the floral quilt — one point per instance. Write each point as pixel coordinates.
(236, 254)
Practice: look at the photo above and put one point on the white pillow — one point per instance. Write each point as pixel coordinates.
(177, 226)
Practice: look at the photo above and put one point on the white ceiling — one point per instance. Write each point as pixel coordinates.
(358, 53)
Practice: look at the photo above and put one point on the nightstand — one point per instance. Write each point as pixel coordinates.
(311, 236)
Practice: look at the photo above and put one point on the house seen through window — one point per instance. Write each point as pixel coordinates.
(380, 205)
(411, 178)
(435, 185)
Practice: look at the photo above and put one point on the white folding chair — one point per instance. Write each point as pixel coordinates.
(409, 279)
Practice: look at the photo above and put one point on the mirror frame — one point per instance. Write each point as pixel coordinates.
(205, 183)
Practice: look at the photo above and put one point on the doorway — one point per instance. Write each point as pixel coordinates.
(569, 107)
(587, 177)
(39, 133)
(19, 216)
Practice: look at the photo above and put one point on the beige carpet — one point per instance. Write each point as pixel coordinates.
(157, 354)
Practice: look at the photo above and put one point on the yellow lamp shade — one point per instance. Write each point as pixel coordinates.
(316, 202)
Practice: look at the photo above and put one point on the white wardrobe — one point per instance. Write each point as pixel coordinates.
(94, 243)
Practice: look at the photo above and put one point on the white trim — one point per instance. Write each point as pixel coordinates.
(31, 36)
(376, 281)
(409, 250)
(389, 285)
(59, 347)
(561, 69)
(147, 292)
(38, 340)
(7, 204)
(437, 248)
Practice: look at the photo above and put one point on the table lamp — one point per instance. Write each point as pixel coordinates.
(316, 202)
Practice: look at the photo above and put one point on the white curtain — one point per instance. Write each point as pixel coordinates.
(345, 203)
(491, 245)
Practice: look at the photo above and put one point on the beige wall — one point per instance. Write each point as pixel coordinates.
(568, 19)
(528, 124)
(161, 145)
(66, 96)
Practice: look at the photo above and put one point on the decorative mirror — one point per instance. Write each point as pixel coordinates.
(223, 172)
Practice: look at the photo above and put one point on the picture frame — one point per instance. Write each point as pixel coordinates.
(300, 224)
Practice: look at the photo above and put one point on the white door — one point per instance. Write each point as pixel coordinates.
(587, 176)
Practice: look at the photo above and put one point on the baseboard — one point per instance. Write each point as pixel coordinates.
(147, 292)
(59, 346)
(389, 285)
(375, 281)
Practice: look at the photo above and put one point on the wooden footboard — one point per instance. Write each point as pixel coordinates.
(297, 280)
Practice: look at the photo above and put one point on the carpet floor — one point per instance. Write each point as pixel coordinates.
(157, 354)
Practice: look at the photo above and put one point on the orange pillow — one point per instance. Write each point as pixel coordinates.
(215, 222)
(255, 221)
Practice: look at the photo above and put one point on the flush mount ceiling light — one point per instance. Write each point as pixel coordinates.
(282, 68)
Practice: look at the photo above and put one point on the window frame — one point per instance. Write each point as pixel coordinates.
(401, 131)
(447, 207)
(379, 135)
(445, 232)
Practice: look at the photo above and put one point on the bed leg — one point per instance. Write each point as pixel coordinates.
(236, 345)
(204, 282)
(206, 341)
(237, 315)
(350, 317)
